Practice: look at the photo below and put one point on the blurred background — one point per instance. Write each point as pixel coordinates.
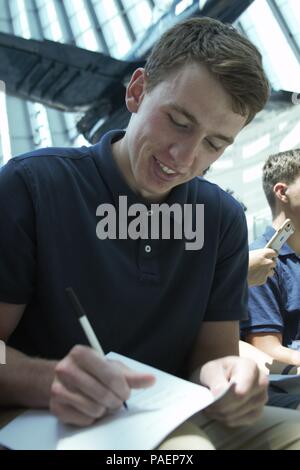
(64, 65)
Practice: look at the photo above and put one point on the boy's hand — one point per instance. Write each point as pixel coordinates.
(243, 403)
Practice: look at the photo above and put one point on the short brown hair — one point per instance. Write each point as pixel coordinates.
(282, 167)
(231, 57)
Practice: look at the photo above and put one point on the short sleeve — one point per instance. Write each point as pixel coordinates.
(264, 307)
(228, 298)
(17, 235)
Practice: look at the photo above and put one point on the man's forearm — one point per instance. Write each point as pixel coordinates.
(25, 381)
(286, 355)
(264, 361)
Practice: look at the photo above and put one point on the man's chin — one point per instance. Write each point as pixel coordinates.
(152, 195)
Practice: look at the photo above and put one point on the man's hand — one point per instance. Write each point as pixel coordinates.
(87, 386)
(261, 265)
(243, 404)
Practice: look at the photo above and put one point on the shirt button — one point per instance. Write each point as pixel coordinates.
(148, 248)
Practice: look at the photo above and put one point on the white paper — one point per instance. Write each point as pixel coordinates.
(152, 414)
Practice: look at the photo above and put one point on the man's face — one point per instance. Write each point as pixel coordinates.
(176, 130)
(293, 194)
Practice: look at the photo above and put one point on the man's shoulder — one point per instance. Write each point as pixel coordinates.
(52, 153)
(42, 163)
(47, 166)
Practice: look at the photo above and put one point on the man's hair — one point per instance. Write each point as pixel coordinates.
(233, 59)
(282, 167)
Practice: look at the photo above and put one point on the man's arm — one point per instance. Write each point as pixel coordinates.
(271, 343)
(10, 315)
(79, 389)
(214, 340)
(24, 381)
(267, 363)
(243, 404)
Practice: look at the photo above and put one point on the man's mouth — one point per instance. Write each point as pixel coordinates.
(165, 168)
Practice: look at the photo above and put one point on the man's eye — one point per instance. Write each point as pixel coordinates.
(176, 123)
(212, 145)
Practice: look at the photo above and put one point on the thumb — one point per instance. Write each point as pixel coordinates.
(135, 379)
(139, 380)
(214, 377)
(219, 386)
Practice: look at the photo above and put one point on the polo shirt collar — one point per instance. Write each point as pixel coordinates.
(115, 180)
(285, 249)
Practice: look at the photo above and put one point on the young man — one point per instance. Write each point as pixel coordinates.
(151, 299)
(274, 308)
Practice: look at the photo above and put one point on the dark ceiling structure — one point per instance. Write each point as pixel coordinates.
(65, 78)
(68, 78)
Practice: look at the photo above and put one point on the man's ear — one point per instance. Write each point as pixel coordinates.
(280, 190)
(135, 90)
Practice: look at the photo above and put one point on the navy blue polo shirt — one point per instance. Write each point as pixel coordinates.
(144, 303)
(275, 306)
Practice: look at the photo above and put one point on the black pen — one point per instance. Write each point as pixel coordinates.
(86, 326)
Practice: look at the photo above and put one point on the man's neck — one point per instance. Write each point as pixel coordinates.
(294, 240)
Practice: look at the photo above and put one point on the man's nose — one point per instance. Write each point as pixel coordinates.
(183, 154)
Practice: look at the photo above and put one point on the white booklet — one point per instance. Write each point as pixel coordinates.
(152, 414)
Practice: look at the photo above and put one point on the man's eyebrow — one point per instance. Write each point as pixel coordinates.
(192, 118)
(183, 111)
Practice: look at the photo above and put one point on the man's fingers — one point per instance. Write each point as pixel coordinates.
(98, 380)
(270, 253)
(137, 380)
(69, 415)
(106, 372)
(78, 381)
(222, 405)
(244, 401)
(244, 415)
(243, 420)
(235, 407)
(109, 389)
(250, 383)
(215, 377)
(60, 394)
(248, 377)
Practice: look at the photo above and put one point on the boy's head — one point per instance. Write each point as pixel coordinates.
(201, 85)
(281, 180)
(233, 59)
